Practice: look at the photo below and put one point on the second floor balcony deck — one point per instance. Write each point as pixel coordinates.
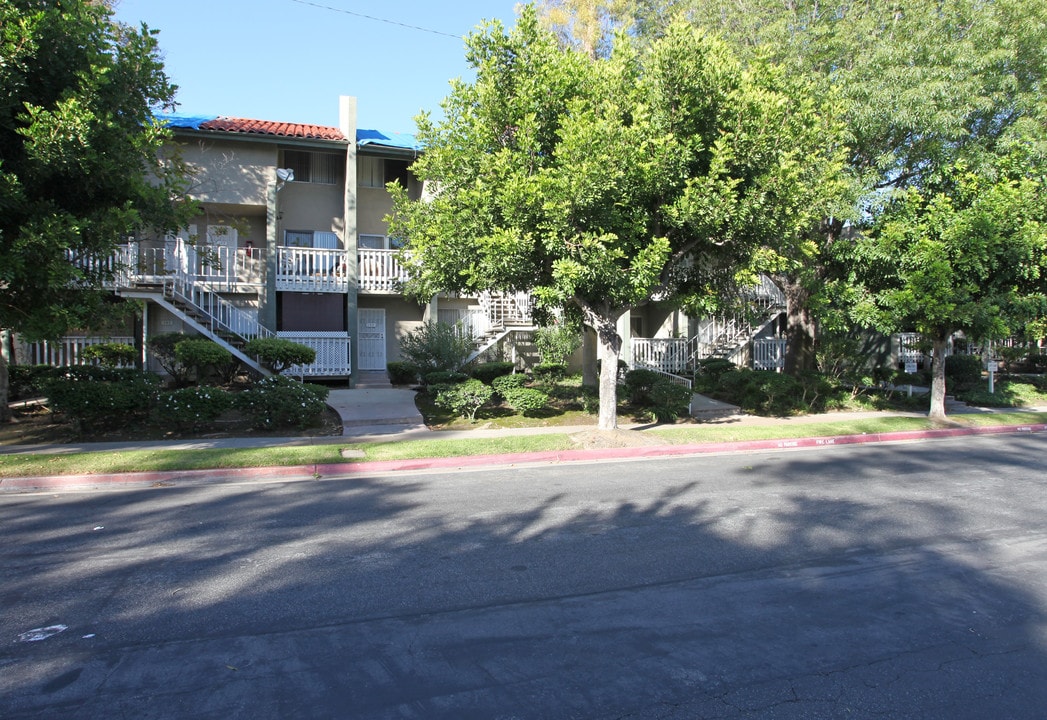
(243, 269)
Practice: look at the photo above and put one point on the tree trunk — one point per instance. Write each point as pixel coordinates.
(800, 327)
(937, 410)
(5, 408)
(610, 350)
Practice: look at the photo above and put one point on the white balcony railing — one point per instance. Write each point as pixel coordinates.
(380, 271)
(311, 270)
(669, 355)
(220, 268)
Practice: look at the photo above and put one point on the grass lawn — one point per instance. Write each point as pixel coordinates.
(176, 460)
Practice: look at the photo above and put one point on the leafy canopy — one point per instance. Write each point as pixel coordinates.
(80, 158)
(601, 183)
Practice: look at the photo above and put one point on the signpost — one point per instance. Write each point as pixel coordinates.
(994, 366)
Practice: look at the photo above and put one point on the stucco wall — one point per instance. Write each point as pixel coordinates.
(401, 317)
(233, 173)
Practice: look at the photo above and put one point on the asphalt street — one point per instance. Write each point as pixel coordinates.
(841, 582)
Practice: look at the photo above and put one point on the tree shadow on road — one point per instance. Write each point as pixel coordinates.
(720, 587)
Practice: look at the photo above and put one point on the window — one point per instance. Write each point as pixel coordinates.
(298, 238)
(312, 238)
(376, 172)
(372, 242)
(369, 172)
(314, 167)
(396, 171)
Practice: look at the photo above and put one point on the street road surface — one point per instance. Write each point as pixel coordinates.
(900, 581)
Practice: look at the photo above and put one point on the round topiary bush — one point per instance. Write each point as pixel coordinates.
(488, 371)
(464, 398)
(277, 402)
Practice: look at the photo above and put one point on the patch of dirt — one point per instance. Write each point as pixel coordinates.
(602, 439)
(35, 425)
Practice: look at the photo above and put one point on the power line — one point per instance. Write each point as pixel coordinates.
(376, 19)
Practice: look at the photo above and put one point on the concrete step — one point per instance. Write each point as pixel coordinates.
(372, 379)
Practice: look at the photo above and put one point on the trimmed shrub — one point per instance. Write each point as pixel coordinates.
(445, 378)
(464, 398)
(639, 383)
(278, 402)
(104, 399)
(1037, 363)
(110, 354)
(194, 407)
(525, 400)
(162, 348)
(435, 346)
(668, 401)
(714, 367)
(765, 392)
(278, 354)
(962, 372)
(206, 358)
(549, 371)
(402, 373)
(505, 383)
(27, 381)
(488, 371)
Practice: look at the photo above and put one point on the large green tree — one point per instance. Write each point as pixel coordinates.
(81, 161)
(600, 184)
(965, 252)
(919, 83)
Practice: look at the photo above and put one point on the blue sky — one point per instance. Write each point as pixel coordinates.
(289, 60)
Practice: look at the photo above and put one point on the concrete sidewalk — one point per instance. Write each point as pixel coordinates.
(390, 414)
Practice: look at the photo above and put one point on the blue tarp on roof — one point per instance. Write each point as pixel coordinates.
(193, 122)
(404, 141)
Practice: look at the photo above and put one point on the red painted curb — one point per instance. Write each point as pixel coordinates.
(551, 456)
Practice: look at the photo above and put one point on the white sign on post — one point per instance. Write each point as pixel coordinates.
(994, 366)
(910, 367)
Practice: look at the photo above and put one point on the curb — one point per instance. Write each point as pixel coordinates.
(317, 472)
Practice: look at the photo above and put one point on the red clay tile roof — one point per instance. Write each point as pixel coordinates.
(269, 127)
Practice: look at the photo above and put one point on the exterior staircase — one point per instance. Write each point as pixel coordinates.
(202, 321)
(506, 314)
(724, 336)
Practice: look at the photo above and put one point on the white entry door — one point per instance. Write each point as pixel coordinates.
(370, 338)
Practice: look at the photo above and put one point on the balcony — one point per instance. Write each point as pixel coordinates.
(301, 269)
(221, 268)
(380, 271)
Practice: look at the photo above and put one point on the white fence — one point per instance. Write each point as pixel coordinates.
(769, 354)
(669, 355)
(332, 353)
(67, 351)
